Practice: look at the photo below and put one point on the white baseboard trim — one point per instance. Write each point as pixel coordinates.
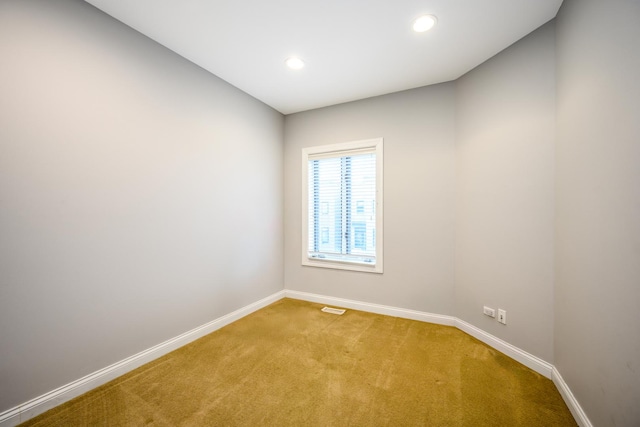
(373, 308)
(575, 408)
(527, 359)
(37, 406)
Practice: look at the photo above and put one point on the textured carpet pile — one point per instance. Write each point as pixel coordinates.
(290, 364)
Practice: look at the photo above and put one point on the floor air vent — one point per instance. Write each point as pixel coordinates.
(333, 310)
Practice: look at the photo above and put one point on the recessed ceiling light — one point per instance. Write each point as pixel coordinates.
(294, 63)
(424, 23)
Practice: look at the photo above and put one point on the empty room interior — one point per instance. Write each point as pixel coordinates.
(159, 167)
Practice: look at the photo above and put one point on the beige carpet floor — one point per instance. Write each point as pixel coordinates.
(289, 364)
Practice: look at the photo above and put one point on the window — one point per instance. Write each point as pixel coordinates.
(325, 235)
(360, 235)
(342, 206)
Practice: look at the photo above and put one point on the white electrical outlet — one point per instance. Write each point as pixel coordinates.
(489, 311)
(502, 316)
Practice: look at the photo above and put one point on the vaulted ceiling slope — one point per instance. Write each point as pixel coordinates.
(352, 49)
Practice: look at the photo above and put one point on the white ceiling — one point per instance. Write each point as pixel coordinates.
(353, 49)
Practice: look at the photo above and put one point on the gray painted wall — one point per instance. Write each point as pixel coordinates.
(505, 135)
(418, 131)
(597, 327)
(129, 179)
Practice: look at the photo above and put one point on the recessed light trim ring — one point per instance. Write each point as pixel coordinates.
(424, 23)
(294, 63)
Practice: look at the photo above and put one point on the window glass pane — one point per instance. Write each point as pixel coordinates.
(363, 217)
(342, 214)
(325, 205)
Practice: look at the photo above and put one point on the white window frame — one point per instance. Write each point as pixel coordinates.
(342, 149)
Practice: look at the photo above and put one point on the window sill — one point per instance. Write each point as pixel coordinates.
(342, 265)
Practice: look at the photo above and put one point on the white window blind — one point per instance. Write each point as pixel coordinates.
(342, 189)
